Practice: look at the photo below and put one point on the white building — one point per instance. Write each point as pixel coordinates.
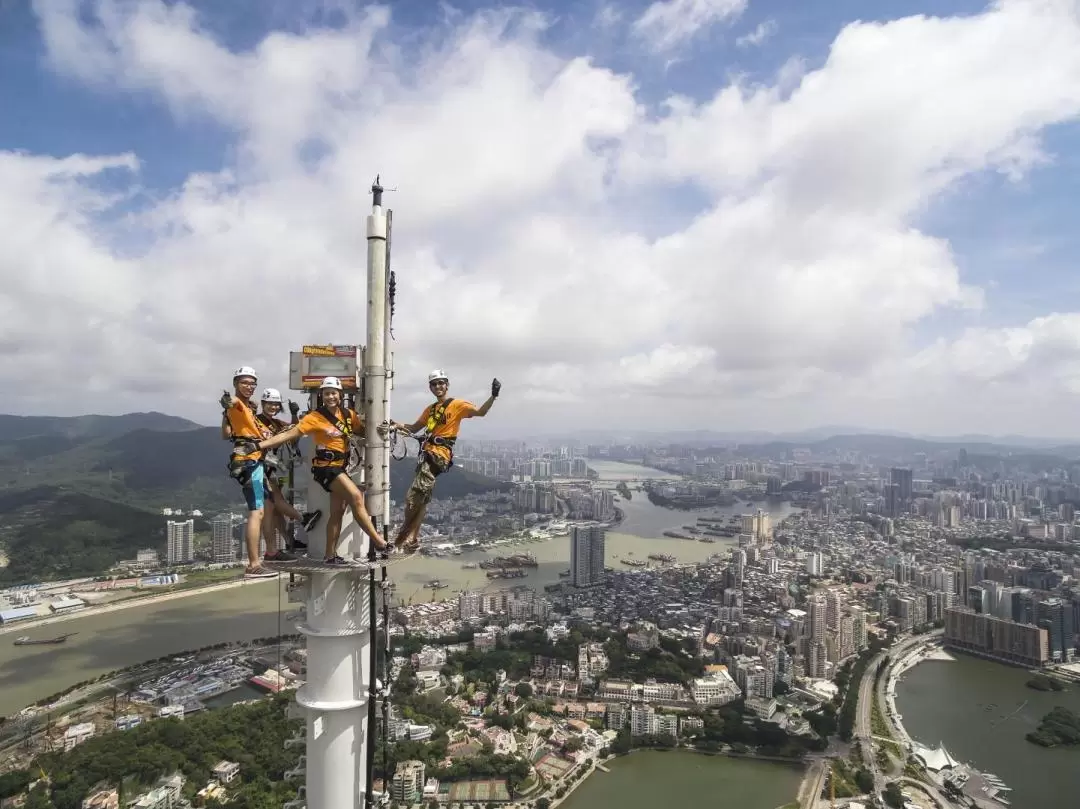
(223, 548)
(181, 538)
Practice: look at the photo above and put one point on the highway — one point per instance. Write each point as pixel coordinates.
(868, 694)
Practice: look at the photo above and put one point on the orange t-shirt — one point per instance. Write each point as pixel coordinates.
(448, 425)
(326, 435)
(243, 424)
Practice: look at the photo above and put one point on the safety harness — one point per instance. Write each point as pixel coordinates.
(437, 417)
(242, 445)
(344, 426)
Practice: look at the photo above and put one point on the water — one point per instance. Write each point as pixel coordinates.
(126, 637)
(651, 779)
(961, 704)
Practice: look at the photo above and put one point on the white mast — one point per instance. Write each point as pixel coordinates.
(338, 623)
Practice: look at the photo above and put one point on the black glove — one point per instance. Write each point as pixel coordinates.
(496, 386)
(225, 401)
(294, 408)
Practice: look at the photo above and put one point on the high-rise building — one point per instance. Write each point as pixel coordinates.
(586, 554)
(222, 546)
(181, 542)
(997, 638)
(1055, 616)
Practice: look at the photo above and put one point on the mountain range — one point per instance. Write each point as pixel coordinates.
(79, 494)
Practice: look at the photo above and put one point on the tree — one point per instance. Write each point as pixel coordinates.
(893, 796)
(543, 803)
(780, 688)
(864, 781)
(523, 690)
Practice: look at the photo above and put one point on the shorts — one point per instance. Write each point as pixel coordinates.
(325, 475)
(253, 483)
(423, 484)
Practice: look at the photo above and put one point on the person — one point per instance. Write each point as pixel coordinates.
(441, 420)
(277, 508)
(330, 427)
(239, 425)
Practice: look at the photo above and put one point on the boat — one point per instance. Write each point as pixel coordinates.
(661, 557)
(563, 574)
(511, 573)
(470, 566)
(633, 562)
(26, 641)
(435, 584)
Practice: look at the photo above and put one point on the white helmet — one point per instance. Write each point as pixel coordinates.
(245, 370)
(436, 375)
(331, 382)
(271, 395)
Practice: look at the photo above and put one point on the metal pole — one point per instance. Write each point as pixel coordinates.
(376, 454)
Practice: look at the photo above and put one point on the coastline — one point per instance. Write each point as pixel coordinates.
(127, 603)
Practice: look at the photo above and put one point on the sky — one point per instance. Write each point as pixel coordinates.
(680, 214)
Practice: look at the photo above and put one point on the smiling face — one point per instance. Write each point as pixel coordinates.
(271, 408)
(439, 387)
(331, 397)
(245, 386)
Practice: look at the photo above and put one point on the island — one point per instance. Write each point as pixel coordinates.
(1040, 682)
(1059, 727)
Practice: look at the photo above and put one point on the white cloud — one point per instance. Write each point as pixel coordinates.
(668, 24)
(522, 211)
(762, 32)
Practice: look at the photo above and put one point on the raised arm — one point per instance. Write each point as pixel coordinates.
(292, 434)
(482, 411)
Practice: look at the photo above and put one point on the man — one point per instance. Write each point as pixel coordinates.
(331, 426)
(441, 420)
(240, 425)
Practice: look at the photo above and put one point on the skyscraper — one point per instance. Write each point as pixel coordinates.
(181, 542)
(586, 554)
(223, 548)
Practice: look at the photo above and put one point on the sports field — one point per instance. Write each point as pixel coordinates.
(479, 791)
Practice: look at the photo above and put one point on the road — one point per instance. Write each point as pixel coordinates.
(868, 694)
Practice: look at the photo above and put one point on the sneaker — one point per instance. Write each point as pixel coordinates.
(259, 573)
(335, 560)
(279, 556)
(311, 519)
(298, 545)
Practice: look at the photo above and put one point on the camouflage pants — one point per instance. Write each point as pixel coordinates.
(423, 484)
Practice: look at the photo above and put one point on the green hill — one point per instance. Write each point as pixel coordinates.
(79, 494)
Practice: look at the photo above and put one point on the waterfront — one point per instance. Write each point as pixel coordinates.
(650, 778)
(109, 641)
(964, 705)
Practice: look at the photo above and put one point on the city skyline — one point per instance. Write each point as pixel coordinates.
(702, 213)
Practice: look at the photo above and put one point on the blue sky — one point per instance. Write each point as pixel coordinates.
(1011, 239)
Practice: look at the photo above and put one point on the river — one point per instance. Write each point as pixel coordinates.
(963, 705)
(129, 636)
(651, 779)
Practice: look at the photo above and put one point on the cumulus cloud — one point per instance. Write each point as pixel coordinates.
(522, 245)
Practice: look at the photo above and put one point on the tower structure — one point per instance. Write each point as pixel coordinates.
(340, 618)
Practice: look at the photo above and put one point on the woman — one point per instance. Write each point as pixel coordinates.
(276, 507)
(330, 427)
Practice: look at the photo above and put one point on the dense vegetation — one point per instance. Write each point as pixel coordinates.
(252, 735)
(1060, 727)
(431, 710)
(79, 494)
(1040, 682)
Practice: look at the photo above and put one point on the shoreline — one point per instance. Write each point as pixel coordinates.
(597, 764)
(127, 603)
